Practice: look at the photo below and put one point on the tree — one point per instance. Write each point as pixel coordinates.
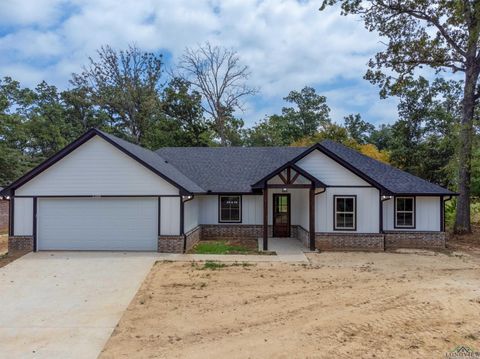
(126, 85)
(340, 134)
(219, 76)
(183, 113)
(423, 139)
(358, 129)
(441, 34)
(309, 115)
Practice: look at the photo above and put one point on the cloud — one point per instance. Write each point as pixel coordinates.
(286, 43)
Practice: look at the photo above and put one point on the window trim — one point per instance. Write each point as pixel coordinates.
(335, 227)
(220, 208)
(414, 213)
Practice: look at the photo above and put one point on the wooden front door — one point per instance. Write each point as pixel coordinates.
(281, 215)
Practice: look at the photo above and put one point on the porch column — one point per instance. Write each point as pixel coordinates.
(265, 218)
(312, 218)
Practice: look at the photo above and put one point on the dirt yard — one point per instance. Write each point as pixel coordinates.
(345, 305)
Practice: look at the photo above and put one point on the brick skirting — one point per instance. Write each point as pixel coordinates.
(349, 241)
(170, 244)
(323, 241)
(20, 244)
(303, 236)
(193, 237)
(415, 240)
(231, 231)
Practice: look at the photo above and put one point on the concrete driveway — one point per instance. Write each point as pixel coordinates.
(66, 304)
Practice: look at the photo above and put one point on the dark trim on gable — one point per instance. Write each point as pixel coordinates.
(74, 145)
(292, 165)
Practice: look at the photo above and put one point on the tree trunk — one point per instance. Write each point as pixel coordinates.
(462, 220)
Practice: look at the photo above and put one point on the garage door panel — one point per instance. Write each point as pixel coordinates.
(97, 224)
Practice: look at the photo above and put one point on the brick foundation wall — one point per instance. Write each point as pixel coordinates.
(414, 240)
(20, 244)
(349, 242)
(193, 237)
(170, 244)
(303, 236)
(4, 209)
(231, 231)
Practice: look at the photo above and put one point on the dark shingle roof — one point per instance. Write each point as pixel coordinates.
(228, 169)
(393, 179)
(236, 169)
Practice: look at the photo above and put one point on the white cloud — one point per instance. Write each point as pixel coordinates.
(287, 44)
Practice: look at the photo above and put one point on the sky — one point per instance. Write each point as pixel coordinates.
(287, 44)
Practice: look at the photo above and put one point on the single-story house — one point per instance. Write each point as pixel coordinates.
(3, 214)
(104, 193)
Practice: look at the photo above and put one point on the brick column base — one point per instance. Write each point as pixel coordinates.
(20, 244)
(170, 244)
(193, 237)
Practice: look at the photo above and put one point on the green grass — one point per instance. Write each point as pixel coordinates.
(219, 247)
(213, 265)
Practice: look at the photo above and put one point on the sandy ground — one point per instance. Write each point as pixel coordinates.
(345, 305)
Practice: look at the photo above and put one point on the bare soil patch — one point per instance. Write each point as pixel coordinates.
(415, 304)
(467, 242)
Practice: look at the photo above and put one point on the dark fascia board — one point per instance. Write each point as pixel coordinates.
(70, 148)
(426, 194)
(291, 164)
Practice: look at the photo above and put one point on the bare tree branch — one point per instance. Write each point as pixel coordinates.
(218, 75)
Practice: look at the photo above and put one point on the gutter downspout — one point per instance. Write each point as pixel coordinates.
(182, 220)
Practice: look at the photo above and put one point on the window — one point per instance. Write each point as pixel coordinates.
(404, 212)
(230, 209)
(345, 212)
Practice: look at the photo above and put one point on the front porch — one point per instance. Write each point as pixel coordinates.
(289, 206)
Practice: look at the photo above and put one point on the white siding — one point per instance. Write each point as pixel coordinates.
(23, 217)
(329, 171)
(97, 168)
(367, 209)
(170, 216)
(251, 209)
(191, 214)
(299, 206)
(427, 215)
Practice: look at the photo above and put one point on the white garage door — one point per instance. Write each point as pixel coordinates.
(97, 224)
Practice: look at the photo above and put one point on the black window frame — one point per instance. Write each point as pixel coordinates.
(414, 213)
(220, 220)
(335, 227)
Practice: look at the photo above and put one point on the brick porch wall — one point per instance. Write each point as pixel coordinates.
(170, 244)
(415, 239)
(4, 208)
(193, 237)
(349, 241)
(20, 244)
(303, 236)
